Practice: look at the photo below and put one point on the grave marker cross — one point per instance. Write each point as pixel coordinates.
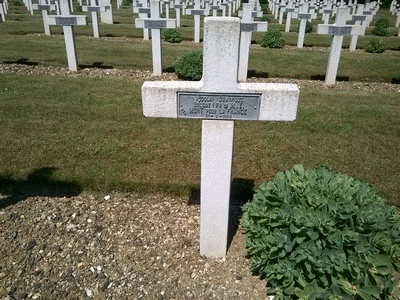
(338, 30)
(219, 99)
(94, 8)
(155, 23)
(247, 27)
(197, 11)
(67, 21)
(44, 6)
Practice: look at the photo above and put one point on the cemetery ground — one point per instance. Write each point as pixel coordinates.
(98, 201)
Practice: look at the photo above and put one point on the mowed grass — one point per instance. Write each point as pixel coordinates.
(92, 132)
(121, 46)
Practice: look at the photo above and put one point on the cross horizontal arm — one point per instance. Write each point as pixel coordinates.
(278, 102)
(67, 20)
(339, 30)
(155, 24)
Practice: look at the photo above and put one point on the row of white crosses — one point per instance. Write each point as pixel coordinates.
(200, 8)
(219, 99)
(155, 24)
(102, 6)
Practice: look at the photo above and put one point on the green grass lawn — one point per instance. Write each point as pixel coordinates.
(93, 132)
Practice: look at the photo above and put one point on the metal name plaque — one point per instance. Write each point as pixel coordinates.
(328, 11)
(144, 10)
(178, 6)
(42, 6)
(367, 13)
(359, 18)
(304, 16)
(339, 30)
(290, 9)
(218, 106)
(214, 7)
(93, 8)
(196, 12)
(155, 24)
(66, 21)
(248, 27)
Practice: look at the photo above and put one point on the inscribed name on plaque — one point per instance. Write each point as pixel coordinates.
(218, 106)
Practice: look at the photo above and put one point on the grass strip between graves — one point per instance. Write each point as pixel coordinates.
(92, 132)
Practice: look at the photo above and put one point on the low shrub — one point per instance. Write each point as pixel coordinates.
(380, 31)
(316, 234)
(126, 2)
(273, 39)
(190, 65)
(309, 27)
(375, 45)
(171, 36)
(383, 22)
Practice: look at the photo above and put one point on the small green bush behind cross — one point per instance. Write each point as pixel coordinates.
(171, 36)
(375, 46)
(273, 39)
(190, 65)
(316, 234)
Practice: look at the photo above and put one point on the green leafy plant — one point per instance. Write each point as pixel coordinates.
(171, 36)
(273, 39)
(190, 65)
(309, 27)
(316, 234)
(383, 22)
(380, 31)
(375, 45)
(126, 2)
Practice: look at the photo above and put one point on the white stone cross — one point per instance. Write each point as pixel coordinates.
(338, 30)
(106, 13)
(246, 28)
(218, 99)
(358, 19)
(44, 6)
(68, 21)
(290, 9)
(197, 12)
(155, 23)
(178, 7)
(304, 15)
(215, 7)
(94, 8)
(326, 12)
(167, 6)
(144, 13)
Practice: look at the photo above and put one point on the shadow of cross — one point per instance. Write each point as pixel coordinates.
(219, 99)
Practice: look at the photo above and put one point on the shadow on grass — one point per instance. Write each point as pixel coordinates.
(22, 61)
(38, 183)
(97, 64)
(242, 191)
(254, 73)
(396, 80)
(322, 78)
